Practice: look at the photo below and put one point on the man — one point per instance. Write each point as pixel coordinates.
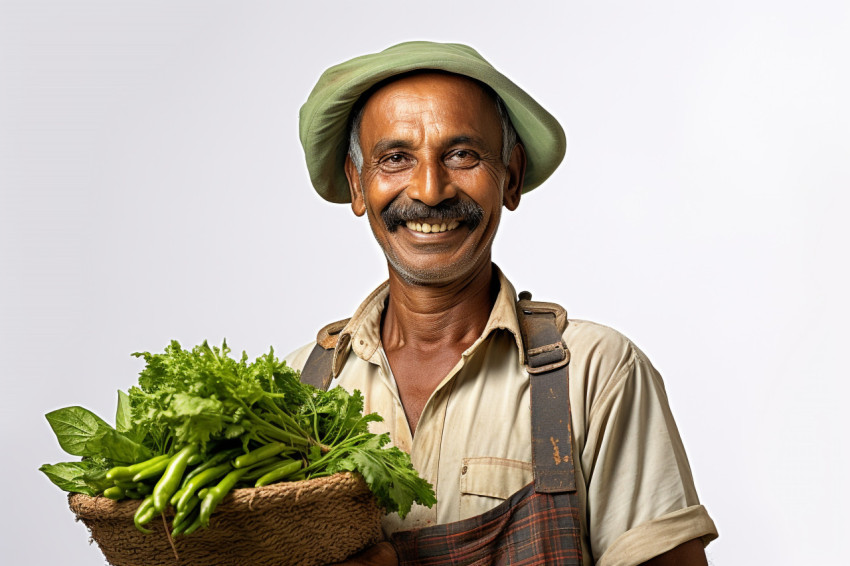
(430, 142)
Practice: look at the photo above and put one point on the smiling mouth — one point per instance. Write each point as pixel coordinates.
(427, 227)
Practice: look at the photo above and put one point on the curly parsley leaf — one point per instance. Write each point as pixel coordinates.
(389, 474)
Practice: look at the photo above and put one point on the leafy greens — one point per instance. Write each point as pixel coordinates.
(204, 398)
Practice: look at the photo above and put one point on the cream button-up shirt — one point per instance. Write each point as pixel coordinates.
(473, 439)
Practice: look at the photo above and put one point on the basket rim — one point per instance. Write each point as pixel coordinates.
(302, 492)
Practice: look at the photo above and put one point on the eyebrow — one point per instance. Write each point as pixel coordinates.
(473, 140)
(388, 144)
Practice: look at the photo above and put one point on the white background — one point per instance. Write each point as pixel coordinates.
(152, 187)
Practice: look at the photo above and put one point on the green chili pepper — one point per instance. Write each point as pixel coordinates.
(170, 480)
(215, 460)
(255, 456)
(177, 530)
(186, 512)
(176, 497)
(259, 471)
(153, 469)
(201, 480)
(127, 472)
(114, 492)
(141, 512)
(195, 459)
(147, 516)
(133, 494)
(196, 524)
(217, 493)
(283, 471)
(203, 493)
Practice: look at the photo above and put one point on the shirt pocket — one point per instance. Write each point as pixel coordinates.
(486, 482)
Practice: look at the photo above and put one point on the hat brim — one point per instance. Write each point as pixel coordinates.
(324, 117)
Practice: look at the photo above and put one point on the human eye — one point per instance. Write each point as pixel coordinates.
(395, 161)
(462, 158)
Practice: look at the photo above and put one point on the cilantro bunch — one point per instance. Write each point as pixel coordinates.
(201, 423)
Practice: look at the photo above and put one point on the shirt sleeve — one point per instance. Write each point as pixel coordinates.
(640, 499)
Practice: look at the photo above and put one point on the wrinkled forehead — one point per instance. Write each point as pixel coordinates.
(441, 96)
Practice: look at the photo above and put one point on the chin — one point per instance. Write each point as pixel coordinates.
(427, 275)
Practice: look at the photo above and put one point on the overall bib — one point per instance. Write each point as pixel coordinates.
(540, 523)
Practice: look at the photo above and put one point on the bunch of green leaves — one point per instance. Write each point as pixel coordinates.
(202, 397)
(194, 396)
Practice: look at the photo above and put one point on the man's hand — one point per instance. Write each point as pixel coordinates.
(690, 553)
(382, 554)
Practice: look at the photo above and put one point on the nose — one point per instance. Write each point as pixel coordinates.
(430, 184)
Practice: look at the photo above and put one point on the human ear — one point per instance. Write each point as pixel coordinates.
(358, 201)
(514, 177)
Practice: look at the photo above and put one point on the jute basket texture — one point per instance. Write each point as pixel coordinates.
(319, 521)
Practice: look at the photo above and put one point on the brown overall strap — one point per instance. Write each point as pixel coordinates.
(318, 369)
(547, 362)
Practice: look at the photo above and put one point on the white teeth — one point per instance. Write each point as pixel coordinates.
(426, 228)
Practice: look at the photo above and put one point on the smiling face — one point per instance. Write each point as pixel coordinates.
(433, 182)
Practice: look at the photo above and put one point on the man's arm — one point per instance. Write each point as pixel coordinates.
(690, 553)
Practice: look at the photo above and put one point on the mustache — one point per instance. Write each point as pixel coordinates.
(398, 213)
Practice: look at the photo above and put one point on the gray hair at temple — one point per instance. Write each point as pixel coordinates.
(509, 135)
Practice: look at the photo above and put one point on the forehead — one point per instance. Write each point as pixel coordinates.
(430, 99)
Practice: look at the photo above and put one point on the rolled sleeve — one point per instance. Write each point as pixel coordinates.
(657, 536)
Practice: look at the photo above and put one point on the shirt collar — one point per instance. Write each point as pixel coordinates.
(362, 334)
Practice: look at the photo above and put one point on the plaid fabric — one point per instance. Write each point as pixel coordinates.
(526, 529)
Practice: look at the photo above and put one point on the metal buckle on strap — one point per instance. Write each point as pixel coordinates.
(558, 351)
(549, 356)
(534, 321)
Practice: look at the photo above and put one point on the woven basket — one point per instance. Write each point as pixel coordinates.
(311, 522)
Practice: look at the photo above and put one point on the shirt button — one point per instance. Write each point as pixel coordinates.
(463, 471)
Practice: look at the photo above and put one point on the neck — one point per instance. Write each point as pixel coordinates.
(431, 317)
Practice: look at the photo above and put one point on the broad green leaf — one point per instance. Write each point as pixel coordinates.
(75, 427)
(68, 476)
(124, 420)
(95, 479)
(123, 417)
(117, 446)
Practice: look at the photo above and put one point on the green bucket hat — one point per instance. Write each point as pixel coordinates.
(324, 118)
